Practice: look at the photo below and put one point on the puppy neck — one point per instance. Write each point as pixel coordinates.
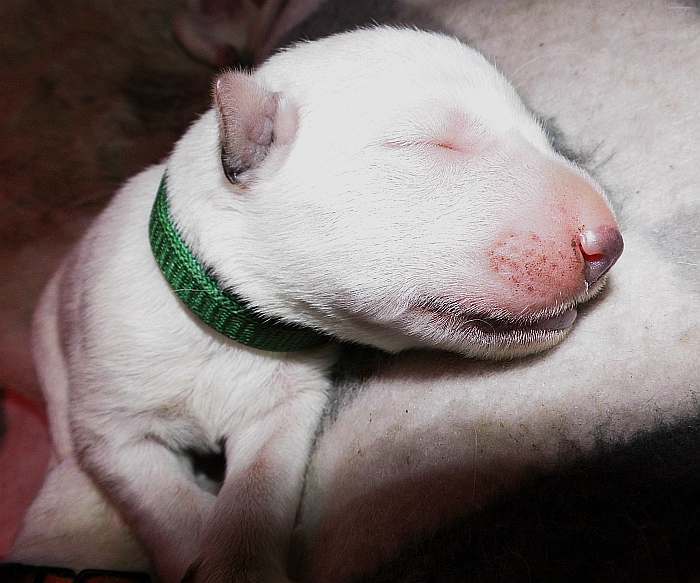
(221, 310)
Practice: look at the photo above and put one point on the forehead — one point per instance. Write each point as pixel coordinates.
(385, 75)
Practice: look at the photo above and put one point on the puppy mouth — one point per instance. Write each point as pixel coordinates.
(561, 321)
(545, 327)
(500, 334)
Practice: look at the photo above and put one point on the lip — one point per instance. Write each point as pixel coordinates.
(545, 324)
(506, 335)
(562, 321)
(550, 324)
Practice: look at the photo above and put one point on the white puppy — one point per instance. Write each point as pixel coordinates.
(403, 201)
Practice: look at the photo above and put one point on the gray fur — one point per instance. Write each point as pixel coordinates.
(561, 143)
(678, 240)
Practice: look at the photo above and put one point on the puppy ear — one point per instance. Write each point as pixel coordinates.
(251, 120)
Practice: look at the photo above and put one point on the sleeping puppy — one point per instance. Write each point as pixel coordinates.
(405, 202)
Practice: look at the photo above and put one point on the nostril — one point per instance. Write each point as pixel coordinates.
(600, 247)
(592, 256)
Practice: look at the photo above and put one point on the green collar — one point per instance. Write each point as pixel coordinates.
(225, 312)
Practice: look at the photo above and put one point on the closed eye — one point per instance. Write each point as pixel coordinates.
(447, 146)
(426, 144)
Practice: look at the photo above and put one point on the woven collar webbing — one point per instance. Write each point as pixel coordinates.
(221, 310)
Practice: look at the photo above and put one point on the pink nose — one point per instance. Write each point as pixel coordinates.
(601, 247)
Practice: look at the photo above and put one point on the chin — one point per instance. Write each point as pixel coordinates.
(514, 344)
(495, 334)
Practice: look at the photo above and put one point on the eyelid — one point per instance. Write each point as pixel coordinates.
(446, 145)
(428, 142)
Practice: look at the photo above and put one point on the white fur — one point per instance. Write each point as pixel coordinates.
(357, 186)
(348, 226)
(145, 378)
(621, 80)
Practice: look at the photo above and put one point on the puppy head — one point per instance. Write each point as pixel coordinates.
(390, 187)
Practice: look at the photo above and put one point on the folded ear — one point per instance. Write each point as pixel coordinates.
(251, 120)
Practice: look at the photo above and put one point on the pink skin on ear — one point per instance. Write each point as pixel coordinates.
(251, 120)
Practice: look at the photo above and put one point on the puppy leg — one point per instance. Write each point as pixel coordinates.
(150, 486)
(70, 524)
(248, 536)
